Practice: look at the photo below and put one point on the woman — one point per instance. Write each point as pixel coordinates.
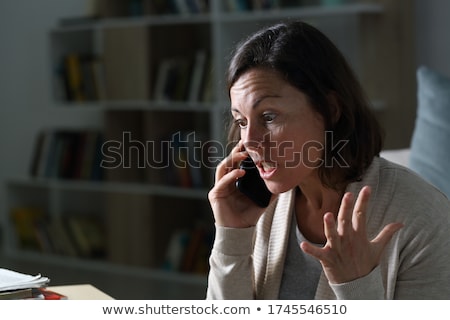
(342, 222)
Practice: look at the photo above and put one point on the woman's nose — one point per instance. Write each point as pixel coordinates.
(252, 136)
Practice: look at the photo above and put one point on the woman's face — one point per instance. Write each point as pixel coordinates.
(280, 130)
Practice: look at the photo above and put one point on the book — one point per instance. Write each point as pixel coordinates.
(184, 159)
(60, 235)
(89, 77)
(42, 150)
(198, 73)
(41, 293)
(86, 155)
(25, 220)
(180, 173)
(37, 154)
(88, 235)
(172, 79)
(161, 79)
(67, 154)
(73, 77)
(43, 236)
(207, 90)
(16, 294)
(188, 250)
(14, 280)
(192, 249)
(238, 5)
(69, 149)
(173, 259)
(98, 74)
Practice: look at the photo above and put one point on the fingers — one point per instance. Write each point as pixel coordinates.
(360, 210)
(330, 230)
(348, 253)
(313, 250)
(353, 217)
(333, 240)
(231, 162)
(227, 182)
(344, 218)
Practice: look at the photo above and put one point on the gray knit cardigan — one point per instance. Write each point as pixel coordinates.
(248, 263)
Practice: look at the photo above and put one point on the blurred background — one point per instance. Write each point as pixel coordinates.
(147, 76)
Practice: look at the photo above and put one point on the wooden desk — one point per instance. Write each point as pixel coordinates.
(81, 292)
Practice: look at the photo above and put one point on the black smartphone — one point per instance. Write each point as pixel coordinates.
(252, 185)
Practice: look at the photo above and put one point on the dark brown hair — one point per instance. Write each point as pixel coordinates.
(310, 62)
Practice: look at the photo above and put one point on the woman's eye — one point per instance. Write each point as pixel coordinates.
(240, 123)
(269, 117)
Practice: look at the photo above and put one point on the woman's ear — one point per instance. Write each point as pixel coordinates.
(335, 107)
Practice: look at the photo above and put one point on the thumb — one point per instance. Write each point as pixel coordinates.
(386, 234)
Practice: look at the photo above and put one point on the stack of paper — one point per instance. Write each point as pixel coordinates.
(12, 280)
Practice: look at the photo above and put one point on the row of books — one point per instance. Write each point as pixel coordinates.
(75, 235)
(67, 154)
(79, 78)
(86, 236)
(180, 160)
(82, 78)
(184, 79)
(187, 161)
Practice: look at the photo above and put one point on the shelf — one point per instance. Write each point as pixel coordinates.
(91, 264)
(142, 21)
(140, 105)
(242, 16)
(110, 187)
(138, 221)
(155, 20)
(157, 106)
(301, 12)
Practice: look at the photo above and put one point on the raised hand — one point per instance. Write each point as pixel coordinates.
(348, 254)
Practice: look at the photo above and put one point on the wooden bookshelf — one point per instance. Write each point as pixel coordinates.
(138, 71)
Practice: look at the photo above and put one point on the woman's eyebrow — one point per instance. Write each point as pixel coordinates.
(257, 102)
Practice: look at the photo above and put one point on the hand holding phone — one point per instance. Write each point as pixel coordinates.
(252, 185)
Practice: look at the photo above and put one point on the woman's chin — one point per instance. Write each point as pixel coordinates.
(277, 188)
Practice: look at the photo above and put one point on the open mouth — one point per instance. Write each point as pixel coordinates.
(266, 169)
(267, 166)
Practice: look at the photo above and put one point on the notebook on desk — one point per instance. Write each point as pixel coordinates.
(81, 292)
